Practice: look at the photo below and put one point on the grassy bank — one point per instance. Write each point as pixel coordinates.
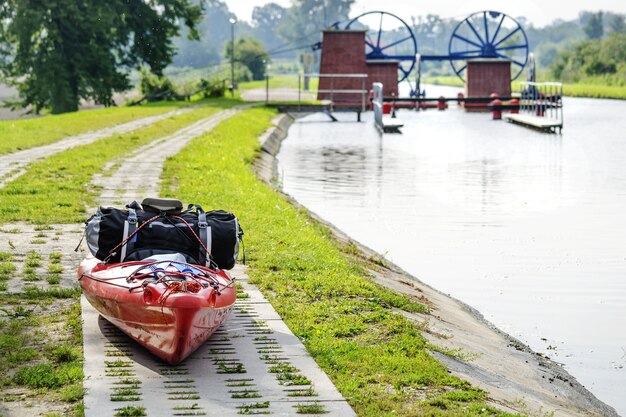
(594, 91)
(280, 81)
(452, 81)
(16, 135)
(353, 327)
(589, 90)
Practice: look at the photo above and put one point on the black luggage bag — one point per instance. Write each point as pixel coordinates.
(160, 226)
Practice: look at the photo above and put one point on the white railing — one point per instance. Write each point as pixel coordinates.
(332, 91)
(542, 100)
(377, 104)
(363, 92)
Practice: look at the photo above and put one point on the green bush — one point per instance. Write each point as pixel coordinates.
(45, 375)
(155, 87)
(212, 88)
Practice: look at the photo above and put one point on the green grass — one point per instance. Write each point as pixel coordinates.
(594, 91)
(41, 347)
(44, 375)
(56, 189)
(376, 357)
(72, 393)
(33, 259)
(17, 135)
(450, 80)
(310, 409)
(130, 411)
(280, 81)
(7, 269)
(591, 90)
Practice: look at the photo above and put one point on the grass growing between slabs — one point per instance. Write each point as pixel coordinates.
(16, 135)
(40, 330)
(56, 189)
(41, 363)
(376, 357)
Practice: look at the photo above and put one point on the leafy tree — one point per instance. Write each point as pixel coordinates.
(250, 52)
(57, 52)
(617, 24)
(306, 18)
(156, 87)
(594, 28)
(265, 21)
(601, 60)
(214, 30)
(546, 54)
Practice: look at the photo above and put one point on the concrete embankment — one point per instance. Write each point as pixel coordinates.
(515, 378)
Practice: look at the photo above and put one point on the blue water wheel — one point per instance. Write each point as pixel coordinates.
(387, 38)
(488, 34)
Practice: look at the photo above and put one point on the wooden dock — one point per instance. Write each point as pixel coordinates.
(545, 124)
(391, 124)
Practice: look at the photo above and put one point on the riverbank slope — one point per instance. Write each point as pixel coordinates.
(516, 378)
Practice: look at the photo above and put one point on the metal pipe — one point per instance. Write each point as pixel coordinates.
(362, 97)
(232, 21)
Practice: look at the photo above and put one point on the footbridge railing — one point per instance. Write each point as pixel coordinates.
(541, 106)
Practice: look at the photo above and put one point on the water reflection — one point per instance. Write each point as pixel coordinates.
(526, 227)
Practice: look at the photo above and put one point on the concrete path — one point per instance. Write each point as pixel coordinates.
(252, 365)
(43, 256)
(138, 174)
(14, 164)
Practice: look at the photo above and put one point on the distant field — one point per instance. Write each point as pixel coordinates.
(451, 80)
(595, 91)
(570, 90)
(6, 92)
(279, 81)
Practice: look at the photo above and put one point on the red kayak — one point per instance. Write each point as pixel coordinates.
(168, 306)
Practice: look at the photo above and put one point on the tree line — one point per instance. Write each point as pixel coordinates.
(59, 52)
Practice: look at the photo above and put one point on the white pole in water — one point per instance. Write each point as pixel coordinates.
(232, 21)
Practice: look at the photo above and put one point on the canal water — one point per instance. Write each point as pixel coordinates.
(528, 228)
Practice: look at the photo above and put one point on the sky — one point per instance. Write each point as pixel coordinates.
(538, 12)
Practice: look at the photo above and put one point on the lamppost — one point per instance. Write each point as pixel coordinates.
(232, 21)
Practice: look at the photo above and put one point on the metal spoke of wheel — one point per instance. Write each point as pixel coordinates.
(396, 43)
(464, 39)
(507, 36)
(495, 35)
(380, 29)
(521, 64)
(510, 48)
(486, 27)
(498, 36)
(403, 49)
(470, 53)
(475, 32)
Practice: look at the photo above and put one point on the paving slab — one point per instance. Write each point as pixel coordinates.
(43, 256)
(138, 175)
(253, 364)
(14, 164)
